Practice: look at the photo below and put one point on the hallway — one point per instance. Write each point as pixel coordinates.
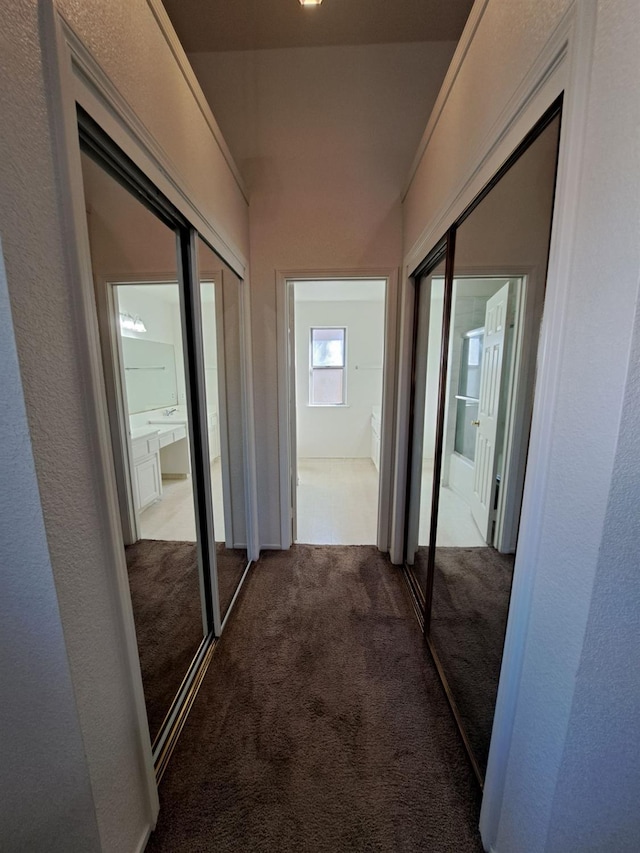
(321, 724)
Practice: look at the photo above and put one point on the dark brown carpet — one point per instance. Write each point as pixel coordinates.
(321, 724)
(471, 589)
(165, 593)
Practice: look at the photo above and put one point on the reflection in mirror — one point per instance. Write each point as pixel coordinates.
(486, 397)
(220, 294)
(428, 331)
(137, 295)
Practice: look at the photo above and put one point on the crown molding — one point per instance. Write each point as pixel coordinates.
(171, 37)
(95, 87)
(466, 39)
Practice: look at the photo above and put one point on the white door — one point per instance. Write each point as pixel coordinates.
(484, 474)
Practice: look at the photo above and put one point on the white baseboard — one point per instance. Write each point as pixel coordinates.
(144, 840)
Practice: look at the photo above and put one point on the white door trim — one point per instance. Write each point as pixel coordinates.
(388, 391)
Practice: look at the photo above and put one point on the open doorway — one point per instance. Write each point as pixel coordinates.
(152, 381)
(336, 368)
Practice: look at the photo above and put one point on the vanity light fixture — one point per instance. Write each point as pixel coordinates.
(131, 324)
(310, 2)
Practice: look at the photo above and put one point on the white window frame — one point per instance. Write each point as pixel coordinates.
(342, 367)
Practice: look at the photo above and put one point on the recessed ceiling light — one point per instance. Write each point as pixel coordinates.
(310, 2)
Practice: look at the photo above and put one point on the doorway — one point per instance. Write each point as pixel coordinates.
(336, 368)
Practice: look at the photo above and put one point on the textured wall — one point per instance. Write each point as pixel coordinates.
(602, 751)
(506, 43)
(42, 754)
(52, 356)
(43, 311)
(554, 799)
(324, 138)
(125, 39)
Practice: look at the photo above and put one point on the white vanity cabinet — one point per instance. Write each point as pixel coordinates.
(147, 478)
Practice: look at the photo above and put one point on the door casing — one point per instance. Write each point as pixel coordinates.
(286, 396)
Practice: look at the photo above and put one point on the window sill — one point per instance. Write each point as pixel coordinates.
(328, 406)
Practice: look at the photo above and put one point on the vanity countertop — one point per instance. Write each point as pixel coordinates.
(144, 432)
(169, 422)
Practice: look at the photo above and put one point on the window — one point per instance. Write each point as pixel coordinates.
(327, 367)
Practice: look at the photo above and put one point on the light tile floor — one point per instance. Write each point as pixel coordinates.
(337, 502)
(456, 527)
(337, 505)
(172, 518)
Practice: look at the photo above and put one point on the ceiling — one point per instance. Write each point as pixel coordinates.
(220, 25)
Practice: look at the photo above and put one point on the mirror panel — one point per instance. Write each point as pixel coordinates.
(220, 297)
(426, 372)
(487, 348)
(137, 289)
(498, 287)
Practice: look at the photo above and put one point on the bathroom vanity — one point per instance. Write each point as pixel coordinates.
(157, 451)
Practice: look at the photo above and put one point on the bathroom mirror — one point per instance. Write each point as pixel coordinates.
(486, 341)
(150, 374)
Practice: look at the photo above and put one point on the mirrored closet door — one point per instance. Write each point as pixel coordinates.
(484, 342)
(221, 309)
(136, 279)
(170, 322)
(426, 374)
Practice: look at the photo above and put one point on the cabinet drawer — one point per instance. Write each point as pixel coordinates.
(179, 432)
(142, 447)
(139, 448)
(165, 439)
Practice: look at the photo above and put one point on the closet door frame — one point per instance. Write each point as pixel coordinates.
(423, 605)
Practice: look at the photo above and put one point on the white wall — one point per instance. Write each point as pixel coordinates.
(210, 353)
(324, 138)
(340, 431)
(602, 750)
(53, 356)
(38, 705)
(158, 315)
(583, 587)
